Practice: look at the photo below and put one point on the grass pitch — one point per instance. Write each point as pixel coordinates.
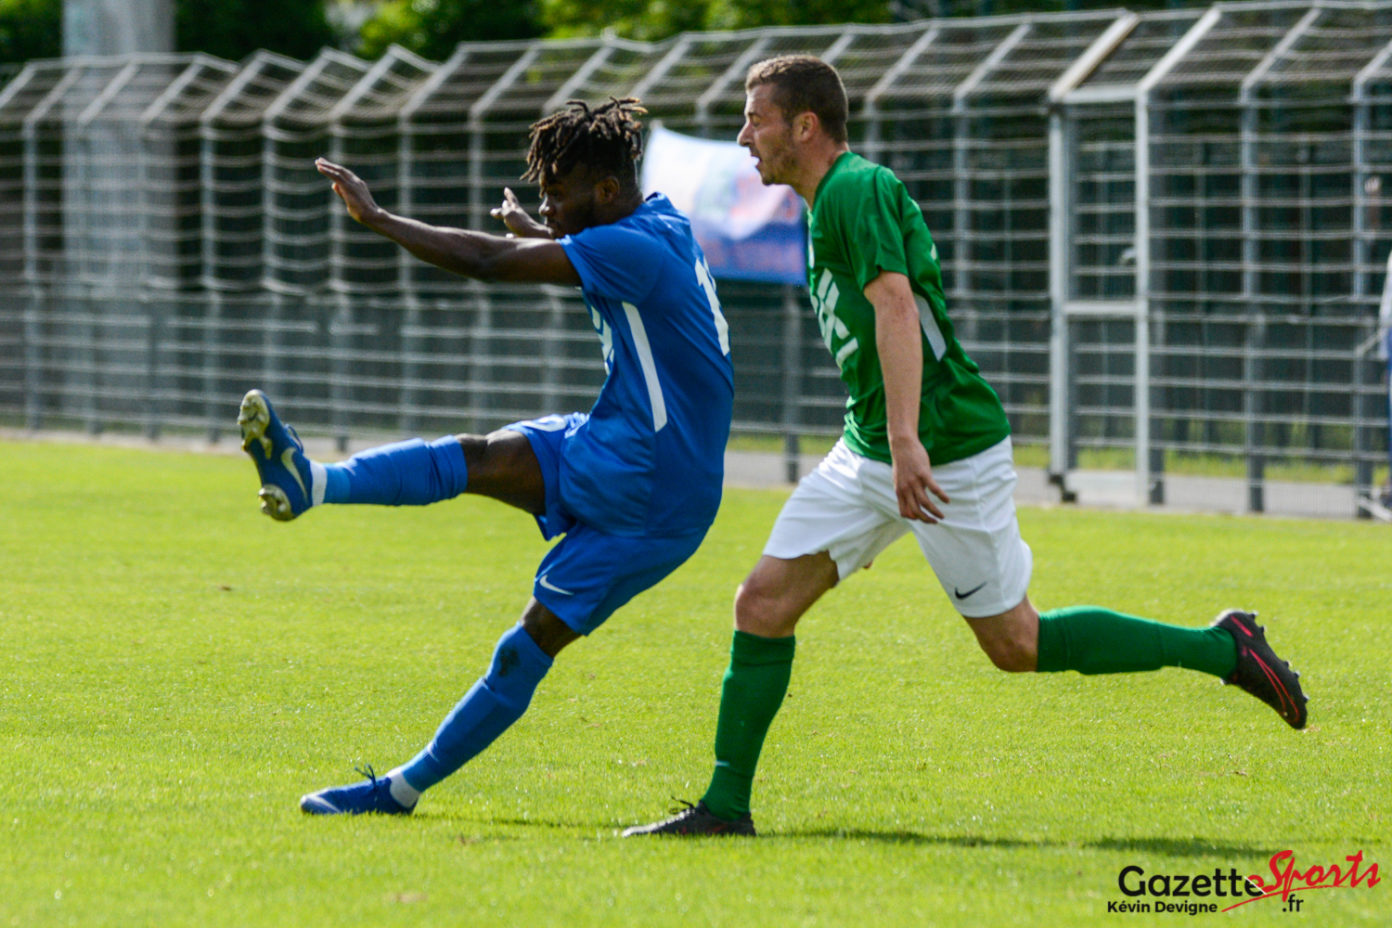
(179, 669)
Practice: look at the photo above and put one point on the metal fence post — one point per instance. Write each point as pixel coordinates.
(33, 358)
(155, 322)
(1254, 433)
(792, 382)
(1370, 406)
(339, 333)
(1061, 439)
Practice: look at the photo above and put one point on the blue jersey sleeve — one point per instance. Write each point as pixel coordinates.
(614, 261)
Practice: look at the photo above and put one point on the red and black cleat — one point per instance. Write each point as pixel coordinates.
(1259, 671)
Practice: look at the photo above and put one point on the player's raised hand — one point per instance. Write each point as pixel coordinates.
(517, 219)
(351, 188)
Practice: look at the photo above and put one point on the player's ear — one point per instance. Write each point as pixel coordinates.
(607, 189)
(806, 125)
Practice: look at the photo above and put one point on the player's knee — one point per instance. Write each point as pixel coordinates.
(759, 609)
(1011, 654)
(503, 465)
(1011, 639)
(750, 598)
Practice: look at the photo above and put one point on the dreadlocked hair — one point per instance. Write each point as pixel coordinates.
(607, 139)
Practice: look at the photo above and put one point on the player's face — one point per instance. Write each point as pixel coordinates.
(768, 135)
(568, 202)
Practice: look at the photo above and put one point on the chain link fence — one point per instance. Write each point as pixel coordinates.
(1162, 234)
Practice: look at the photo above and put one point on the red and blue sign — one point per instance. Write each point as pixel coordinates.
(748, 231)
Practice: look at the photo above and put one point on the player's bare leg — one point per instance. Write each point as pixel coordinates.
(1011, 639)
(503, 466)
(779, 591)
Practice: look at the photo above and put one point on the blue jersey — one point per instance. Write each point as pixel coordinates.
(650, 459)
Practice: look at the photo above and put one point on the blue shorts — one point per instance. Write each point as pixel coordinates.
(589, 573)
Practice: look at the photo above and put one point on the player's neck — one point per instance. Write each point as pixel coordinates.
(620, 208)
(816, 162)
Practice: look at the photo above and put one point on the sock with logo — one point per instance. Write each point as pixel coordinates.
(1090, 639)
(752, 692)
(408, 473)
(496, 701)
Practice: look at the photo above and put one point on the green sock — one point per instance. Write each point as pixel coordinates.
(1089, 639)
(749, 699)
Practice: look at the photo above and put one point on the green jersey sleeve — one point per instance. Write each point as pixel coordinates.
(874, 234)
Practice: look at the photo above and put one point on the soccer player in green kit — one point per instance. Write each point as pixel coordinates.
(926, 449)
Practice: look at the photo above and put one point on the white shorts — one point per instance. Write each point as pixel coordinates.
(847, 507)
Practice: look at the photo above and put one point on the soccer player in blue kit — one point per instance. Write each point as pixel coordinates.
(632, 486)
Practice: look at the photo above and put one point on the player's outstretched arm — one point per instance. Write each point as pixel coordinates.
(472, 254)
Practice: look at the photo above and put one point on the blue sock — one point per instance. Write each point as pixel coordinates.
(408, 473)
(496, 701)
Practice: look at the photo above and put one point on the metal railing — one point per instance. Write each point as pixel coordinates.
(1164, 235)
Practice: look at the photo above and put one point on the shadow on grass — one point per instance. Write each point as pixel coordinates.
(587, 831)
(1170, 847)
(1163, 846)
(1180, 847)
(910, 837)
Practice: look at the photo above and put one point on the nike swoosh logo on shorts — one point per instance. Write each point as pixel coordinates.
(547, 585)
(960, 595)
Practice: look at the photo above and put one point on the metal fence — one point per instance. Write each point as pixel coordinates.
(1163, 234)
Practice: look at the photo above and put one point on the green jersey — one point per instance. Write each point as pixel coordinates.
(862, 222)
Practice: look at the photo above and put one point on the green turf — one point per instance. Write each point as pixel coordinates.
(179, 669)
